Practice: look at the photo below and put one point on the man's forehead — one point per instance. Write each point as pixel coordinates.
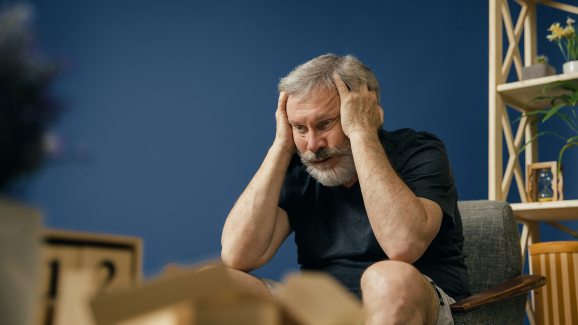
(318, 105)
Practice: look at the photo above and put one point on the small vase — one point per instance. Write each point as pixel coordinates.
(570, 66)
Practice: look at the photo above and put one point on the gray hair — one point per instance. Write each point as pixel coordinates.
(317, 73)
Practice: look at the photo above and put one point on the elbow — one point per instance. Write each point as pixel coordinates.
(236, 261)
(407, 254)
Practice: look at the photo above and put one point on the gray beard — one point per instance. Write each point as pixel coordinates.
(336, 173)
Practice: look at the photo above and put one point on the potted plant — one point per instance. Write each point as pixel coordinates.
(567, 36)
(26, 109)
(540, 69)
(558, 102)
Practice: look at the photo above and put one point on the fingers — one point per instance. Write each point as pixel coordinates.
(281, 105)
(341, 86)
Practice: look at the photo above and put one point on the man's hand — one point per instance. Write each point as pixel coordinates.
(284, 137)
(359, 110)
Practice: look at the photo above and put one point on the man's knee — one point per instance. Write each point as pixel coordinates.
(400, 287)
(390, 275)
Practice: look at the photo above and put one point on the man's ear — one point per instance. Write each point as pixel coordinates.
(381, 113)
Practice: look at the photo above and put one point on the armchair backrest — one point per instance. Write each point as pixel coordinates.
(492, 242)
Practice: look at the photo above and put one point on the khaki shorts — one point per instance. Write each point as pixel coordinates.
(444, 314)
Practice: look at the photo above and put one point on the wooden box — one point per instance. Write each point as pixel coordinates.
(115, 260)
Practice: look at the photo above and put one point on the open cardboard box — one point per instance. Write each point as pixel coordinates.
(207, 296)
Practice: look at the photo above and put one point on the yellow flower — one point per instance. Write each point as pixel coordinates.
(554, 27)
(559, 32)
(551, 37)
(570, 21)
(569, 30)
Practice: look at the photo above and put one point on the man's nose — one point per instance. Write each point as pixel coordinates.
(315, 142)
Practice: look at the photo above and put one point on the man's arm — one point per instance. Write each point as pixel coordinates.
(403, 224)
(256, 227)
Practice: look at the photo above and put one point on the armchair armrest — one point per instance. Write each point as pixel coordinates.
(516, 286)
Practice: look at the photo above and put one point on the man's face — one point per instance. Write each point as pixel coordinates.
(323, 147)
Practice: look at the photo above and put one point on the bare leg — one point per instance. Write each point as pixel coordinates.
(396, 293)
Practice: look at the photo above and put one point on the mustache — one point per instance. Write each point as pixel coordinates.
(308, 158)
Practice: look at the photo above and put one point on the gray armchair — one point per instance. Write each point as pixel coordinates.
(492, 242)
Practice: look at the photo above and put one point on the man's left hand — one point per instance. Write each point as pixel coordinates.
(359, 109)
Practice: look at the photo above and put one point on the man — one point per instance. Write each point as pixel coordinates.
(375, 209)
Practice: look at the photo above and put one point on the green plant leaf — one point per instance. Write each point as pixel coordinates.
(537, 98)
(554, 101)
(565, 98)
(561, 49)
(537, 120)
(565, 117)
(546, 86)
(566, 85)
(572, 139)
(570, 122)
(569, 145)
(537, 135)
(562, 84)
(552, 112)
(574, 98)
(530, 113)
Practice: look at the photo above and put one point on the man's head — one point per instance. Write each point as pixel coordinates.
(313, 110)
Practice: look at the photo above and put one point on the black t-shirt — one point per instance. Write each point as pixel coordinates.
(332, 230)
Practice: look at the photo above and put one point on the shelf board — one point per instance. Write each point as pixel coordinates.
(550, 3)
(547, 211)
(518, 93)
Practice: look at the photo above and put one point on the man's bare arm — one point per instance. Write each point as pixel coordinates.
(256, 227)
(403, 224)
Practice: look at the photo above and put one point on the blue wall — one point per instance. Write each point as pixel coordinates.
(177, 101)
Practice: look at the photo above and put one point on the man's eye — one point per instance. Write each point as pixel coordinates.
(327, 124)
(300, 128)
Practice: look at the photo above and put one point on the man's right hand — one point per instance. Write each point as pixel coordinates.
(284, 137)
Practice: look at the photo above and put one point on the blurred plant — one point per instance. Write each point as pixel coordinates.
(541, 59)
(566, 35)
(569, 99)
(26, 104)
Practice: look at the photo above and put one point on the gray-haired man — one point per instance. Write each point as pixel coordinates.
(377, 210)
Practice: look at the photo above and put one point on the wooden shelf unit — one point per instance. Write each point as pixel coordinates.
(546, 211)
(516, 95)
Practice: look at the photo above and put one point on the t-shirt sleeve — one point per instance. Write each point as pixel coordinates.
(427, 172)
